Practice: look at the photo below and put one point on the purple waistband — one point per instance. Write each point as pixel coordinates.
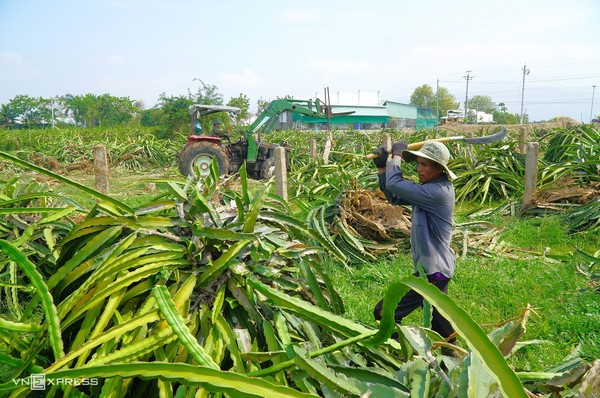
(438, 276)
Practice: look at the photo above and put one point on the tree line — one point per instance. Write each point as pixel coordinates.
(91, 110)
(171, 112)
(425, 97)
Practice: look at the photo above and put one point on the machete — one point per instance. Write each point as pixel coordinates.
(488, 139)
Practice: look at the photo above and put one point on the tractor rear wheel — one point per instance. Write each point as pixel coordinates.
(201, 155)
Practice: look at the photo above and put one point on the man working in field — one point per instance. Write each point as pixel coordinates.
(217, 132)
(432, 204)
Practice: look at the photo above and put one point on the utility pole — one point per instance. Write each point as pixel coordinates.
(592, 109)
(437, 104)
(52, 105)
(525, 73)
(468, 77)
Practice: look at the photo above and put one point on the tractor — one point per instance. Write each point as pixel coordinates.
(201, 149)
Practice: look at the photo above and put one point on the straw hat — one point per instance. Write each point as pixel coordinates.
(432, 150)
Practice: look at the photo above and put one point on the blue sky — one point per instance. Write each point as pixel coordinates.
(364, 51)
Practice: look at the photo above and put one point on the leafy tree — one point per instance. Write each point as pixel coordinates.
(242, 102)
(482, 103)
(8, 115)
(71, 109)
(151, 117)
(116, 110)
(445, 100)
(91, 110)
(261, 105)
(172, 112)
(425, 97)
(509, 118)
(208, 94)
(84, 109)
(175, 112)
(29, 111)
(502, 116)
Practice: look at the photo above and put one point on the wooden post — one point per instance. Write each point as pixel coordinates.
(522, 139)
(101, 169)
(312, 146)
(531, 169)
(281, 173)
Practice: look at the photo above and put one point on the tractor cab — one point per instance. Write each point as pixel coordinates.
(197, 133)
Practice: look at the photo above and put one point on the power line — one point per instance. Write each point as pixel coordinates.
(542, 91)
(529, 102)
(569, 78)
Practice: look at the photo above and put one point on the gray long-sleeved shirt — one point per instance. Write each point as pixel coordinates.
(433, 205)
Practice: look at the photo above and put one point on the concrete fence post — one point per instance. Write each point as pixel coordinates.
(531, 169)
(469, 134)
(386, 142)
(522, 139)
(327, 149)
(281, 173)
(101, 168)
(312, 146)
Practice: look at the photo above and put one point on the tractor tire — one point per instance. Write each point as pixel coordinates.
(267, 169)
(201, 155)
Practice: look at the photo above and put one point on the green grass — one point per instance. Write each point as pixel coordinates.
(549, 231)
(133, 188)
(492, 290)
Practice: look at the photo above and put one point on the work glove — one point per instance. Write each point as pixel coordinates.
(398, 147)
(382, 156)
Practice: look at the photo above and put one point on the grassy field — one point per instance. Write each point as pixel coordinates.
(492, 290)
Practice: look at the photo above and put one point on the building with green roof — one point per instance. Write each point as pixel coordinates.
(391, 114)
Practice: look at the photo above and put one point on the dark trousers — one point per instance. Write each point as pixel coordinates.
(413, 300)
